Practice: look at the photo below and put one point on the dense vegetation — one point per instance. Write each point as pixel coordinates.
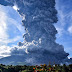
(41, 68)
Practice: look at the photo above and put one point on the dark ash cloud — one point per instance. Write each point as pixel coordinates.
(39, 44)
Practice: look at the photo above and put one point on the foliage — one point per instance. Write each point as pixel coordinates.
(41, 68)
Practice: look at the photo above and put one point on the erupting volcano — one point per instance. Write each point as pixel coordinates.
(39, 46)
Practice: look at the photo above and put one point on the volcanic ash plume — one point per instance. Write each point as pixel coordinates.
(39, 44)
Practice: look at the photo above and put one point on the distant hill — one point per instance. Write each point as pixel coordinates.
(14, 60)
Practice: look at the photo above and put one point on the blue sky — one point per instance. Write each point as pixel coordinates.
(64, 24)
(11, 29)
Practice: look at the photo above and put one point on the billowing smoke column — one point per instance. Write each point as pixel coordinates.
(39, 44)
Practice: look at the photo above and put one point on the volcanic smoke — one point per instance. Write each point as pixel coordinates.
(38, 19)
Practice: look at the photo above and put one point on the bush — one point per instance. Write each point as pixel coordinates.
(0, 70)
(26, 71)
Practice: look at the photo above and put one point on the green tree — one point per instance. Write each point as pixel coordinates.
(0, 70)
(65, 69)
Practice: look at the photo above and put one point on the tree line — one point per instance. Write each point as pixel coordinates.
(36, 68)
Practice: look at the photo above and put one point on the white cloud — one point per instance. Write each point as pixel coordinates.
(6, 41)
(15, 7)
(14, 39)
(70, 29)
(4, 51)
(16, 24)
(61, 21)
(3, 26)
(69, 57)
(60, 31)
(5, 22)
(4, 35)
